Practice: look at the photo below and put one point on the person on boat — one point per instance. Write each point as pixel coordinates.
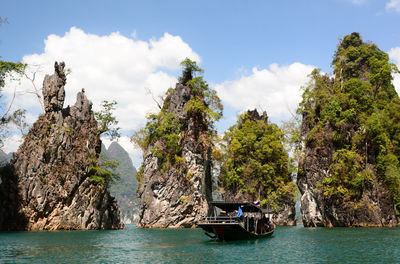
(270, 224)
(267, 224)
(239, 214)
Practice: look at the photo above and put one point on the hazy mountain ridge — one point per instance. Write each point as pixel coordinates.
(5, 157)
(123, 190)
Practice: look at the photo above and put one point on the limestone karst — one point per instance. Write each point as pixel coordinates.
(349, 175)
(175, 176)
(47, 186)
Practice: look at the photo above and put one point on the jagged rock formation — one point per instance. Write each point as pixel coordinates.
(46, 185)
(124, 190)
(285, 215)
(374, 207)
(350, 174)
(174, 191)
(254, 138)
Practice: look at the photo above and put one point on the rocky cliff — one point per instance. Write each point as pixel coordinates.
(350, 173)
(175, 177)
(47, 184)
(256, 167)
(373, 208)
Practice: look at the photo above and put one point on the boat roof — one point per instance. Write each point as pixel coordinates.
(246, 206)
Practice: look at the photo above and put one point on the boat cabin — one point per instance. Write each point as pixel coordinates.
(237, 220)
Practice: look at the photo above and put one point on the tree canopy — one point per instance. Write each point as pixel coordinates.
(106, 121)
(255, 161)
(357, 114)
(104, 170)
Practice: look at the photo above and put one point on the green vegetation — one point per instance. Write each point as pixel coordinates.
(106, 121)
(163, 133)
(13, 71)
(103, 170)
(256, 162)
(356, 113)
(8, 68)
(124, 190)
(126, 186)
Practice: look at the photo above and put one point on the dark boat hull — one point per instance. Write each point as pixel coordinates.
(231, 231)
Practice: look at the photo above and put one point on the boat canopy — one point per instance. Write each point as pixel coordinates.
(245, 206)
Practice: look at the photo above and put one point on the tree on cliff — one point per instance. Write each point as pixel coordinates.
(255, 162)
(175, 177)
(106, 121)
(11, 70)
(163, 131)
(355, 116)
(105, 171)
(56, 160)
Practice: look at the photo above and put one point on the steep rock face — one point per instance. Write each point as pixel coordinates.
(176, 197)
(285, 215)
(374, 209)
(46, 185)
(350, 173)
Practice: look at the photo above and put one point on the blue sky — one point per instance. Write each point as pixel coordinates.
(227, 34)
(246, 47)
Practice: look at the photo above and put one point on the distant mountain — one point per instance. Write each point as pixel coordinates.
(5, 158)
(125, 189)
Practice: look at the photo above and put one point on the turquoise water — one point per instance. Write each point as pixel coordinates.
(133, 245)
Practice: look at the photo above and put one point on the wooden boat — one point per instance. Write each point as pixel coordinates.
(237, 221)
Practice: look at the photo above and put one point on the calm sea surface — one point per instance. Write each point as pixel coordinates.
(288, 245)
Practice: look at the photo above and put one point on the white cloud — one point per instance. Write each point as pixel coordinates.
(394, 55)
(11, 144)
(111, 67)
(276, 90)
(134, 153)
(393, 4)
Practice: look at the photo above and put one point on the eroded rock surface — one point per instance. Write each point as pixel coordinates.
(375, 207)
(46, 185)
(349, 175)
(177, 198)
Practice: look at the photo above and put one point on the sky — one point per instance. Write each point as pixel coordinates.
(256, 54)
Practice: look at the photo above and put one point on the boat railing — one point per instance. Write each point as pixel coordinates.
(220, 219)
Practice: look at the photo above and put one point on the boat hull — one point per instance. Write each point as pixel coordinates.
(231, 231)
